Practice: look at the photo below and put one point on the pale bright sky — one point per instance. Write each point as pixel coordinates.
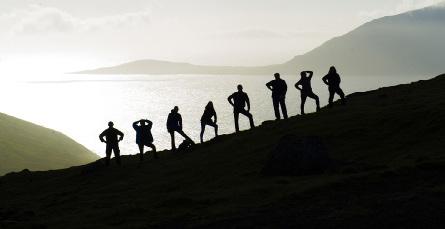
(70, 35)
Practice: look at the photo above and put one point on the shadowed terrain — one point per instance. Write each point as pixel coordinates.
(389, 172)
(26, 145)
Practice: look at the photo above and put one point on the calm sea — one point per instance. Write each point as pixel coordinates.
(81, 105)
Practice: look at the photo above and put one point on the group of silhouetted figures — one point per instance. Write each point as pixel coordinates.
(239, 101)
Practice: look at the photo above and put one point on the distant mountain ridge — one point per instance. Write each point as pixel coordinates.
(410, 43)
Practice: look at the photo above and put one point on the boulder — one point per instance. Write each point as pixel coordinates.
(294, 156)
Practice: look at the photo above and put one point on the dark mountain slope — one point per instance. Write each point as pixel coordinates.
(387, 144)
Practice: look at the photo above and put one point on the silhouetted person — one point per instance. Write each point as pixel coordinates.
(174, 124)
(306, 89)
(332, 79)
(279, 89)
(239, 100)
(112, 138)
(208, 118)
(144, 137)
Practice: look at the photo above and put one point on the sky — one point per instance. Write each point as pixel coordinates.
(68, 35)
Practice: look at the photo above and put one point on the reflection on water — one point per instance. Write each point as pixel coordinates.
(81, 106)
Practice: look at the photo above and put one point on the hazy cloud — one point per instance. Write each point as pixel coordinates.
(37, 19)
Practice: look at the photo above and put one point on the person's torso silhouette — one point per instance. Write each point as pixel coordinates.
(143, 132)
(112, 135)
(279, 88)
(332, 79)
(240, 99)
(174, 121)
(305, 83)
(208, 114)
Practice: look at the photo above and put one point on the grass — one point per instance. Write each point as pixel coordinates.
(24, 145)
(388, 146)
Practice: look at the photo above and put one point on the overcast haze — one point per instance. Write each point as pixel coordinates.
(73, 35)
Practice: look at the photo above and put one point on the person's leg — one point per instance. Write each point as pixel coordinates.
(317, 100)
(117, 154)
(185, 136)
(283, 107)
(172, 136)
(107, 155)
(303, 101)
(342, 95)
(201, 135)
(331, 96)
(236, 117)
(141, 152)
(250, 116)
(276, 108)
(215, 126)
(153, 148)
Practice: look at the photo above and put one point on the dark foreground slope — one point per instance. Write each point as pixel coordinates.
(388, 146)
(26, 145)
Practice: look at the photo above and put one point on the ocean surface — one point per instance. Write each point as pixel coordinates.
(81, 105)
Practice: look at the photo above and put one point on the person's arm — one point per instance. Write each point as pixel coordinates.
(325, 79)
(269, 85)
(180, 121)
(248, 102)
(149, 123)
(135, 125)
(216, 118)
(121, 135)
(230, 99)
(297, 85)
(311, 73)
(285, 86)
(101, 136)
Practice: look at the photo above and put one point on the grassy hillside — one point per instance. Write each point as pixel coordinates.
(25, 145)
(388, 147)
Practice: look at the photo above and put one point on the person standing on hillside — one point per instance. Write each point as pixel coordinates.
(174, 124)
(239, 100)
(332, 79)
(304, 86)
(111, 137)
(144, 137)
(206, 119)
(279, 90)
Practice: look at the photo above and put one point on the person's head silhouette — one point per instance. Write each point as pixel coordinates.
(110, 124)
(277, 76)
(332, 70)
(240, 88)
(303, 74)
(175, 109)
(209, 105)
(142, 122)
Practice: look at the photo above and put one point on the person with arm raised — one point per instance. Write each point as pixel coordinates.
(305, 88)
(144, 137)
